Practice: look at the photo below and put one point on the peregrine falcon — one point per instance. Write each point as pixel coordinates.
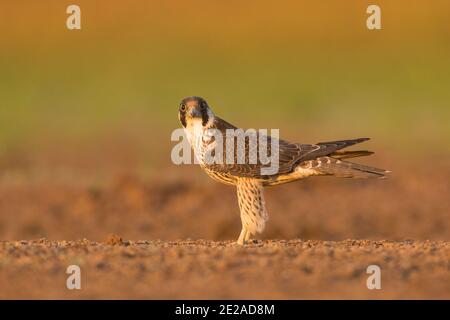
(295, 161)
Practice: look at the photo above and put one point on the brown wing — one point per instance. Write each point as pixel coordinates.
(290, 154)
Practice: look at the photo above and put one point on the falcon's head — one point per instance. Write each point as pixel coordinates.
(194, 109)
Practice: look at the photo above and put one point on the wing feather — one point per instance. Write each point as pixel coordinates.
(290, 154)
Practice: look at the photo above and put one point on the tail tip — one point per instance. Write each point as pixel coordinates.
(385, 174)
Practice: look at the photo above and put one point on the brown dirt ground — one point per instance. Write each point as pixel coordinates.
(208, 269)
(65, 201)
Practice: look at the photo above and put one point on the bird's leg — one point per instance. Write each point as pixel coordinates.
(243, 236)
(247, 236)
(252, 208)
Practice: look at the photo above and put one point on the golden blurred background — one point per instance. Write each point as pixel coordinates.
(312, 69)
(82, 108)
(86, 118)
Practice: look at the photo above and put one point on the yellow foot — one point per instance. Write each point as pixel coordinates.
(247, 237)
(243, 237)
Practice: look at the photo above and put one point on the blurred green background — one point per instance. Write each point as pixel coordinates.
(311, 69)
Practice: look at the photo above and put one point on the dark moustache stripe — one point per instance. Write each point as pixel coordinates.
(204, 115)
(183, 118)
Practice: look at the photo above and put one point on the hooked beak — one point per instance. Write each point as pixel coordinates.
(194, 113)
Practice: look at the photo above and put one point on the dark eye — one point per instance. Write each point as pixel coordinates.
(183, 107)
(203, 106)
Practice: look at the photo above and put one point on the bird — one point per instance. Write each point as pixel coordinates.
(295, 161)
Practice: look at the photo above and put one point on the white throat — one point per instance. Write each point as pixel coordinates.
(196, 134)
